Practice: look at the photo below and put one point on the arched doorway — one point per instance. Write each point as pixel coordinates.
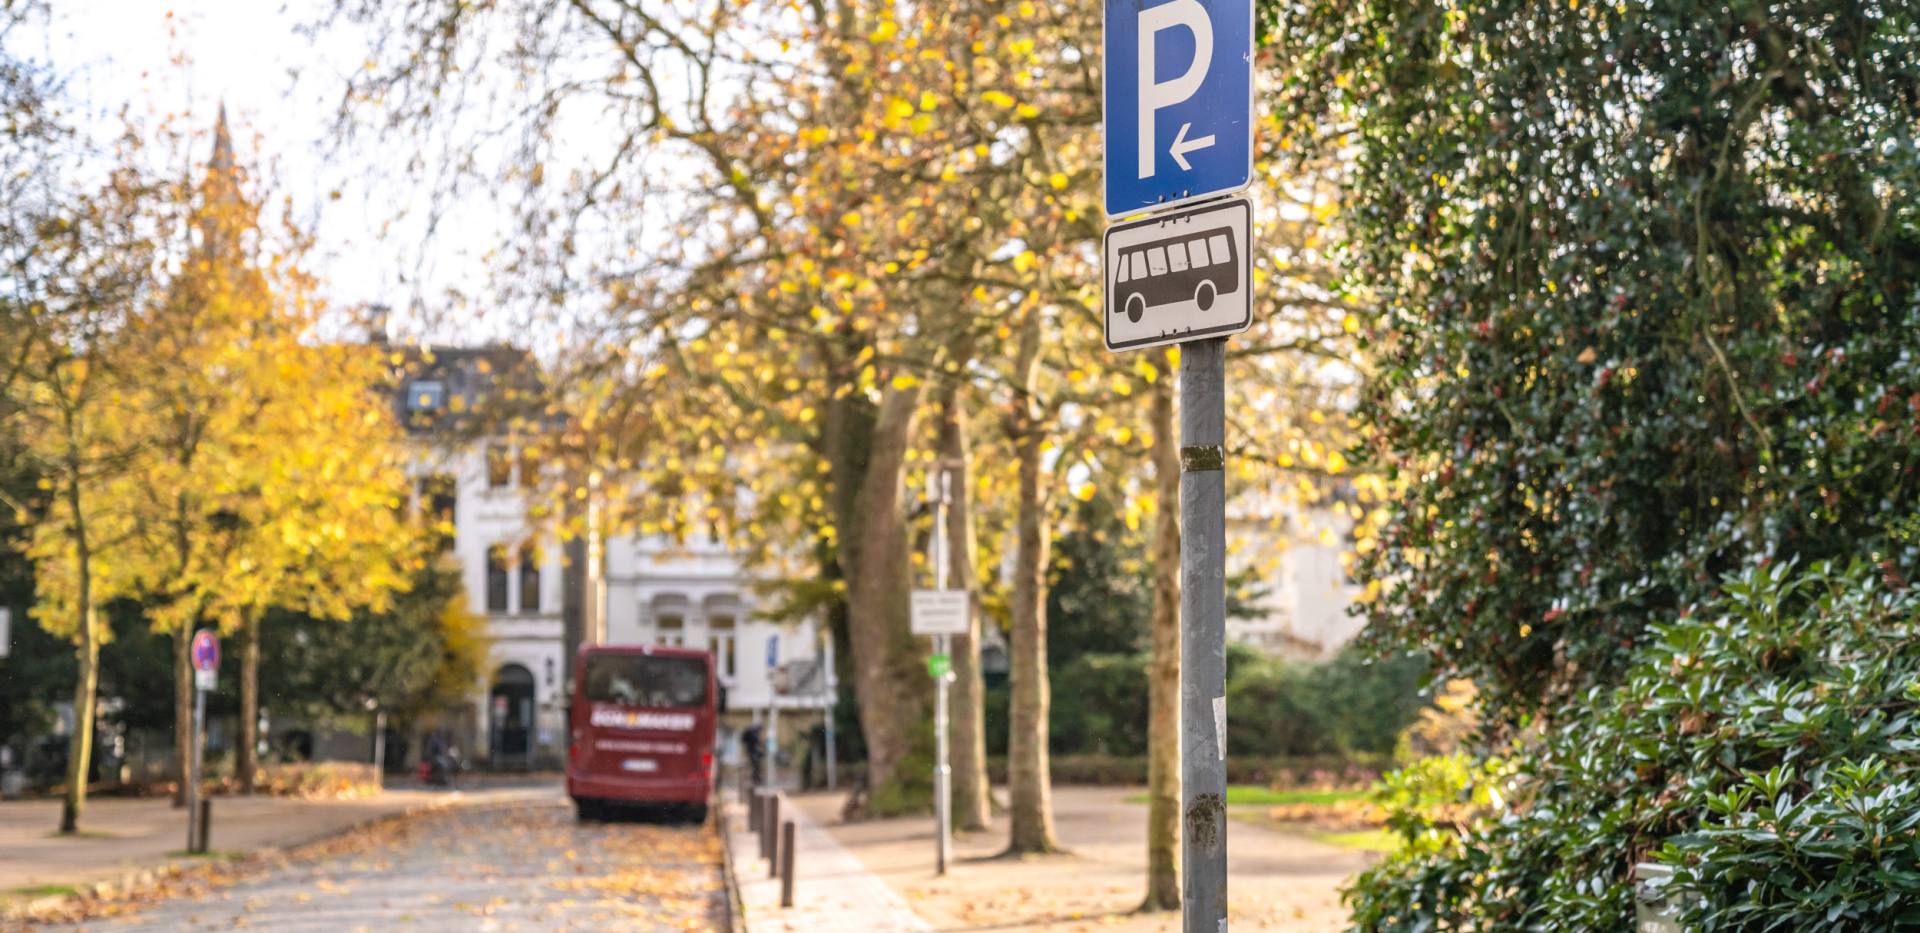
(510, 719)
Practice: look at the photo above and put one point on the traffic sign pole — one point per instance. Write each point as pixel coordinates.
(942, 771)
(195, 843)
(1203, 635)
(205, 655)
(1177, 107)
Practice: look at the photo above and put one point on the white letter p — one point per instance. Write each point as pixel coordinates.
(1156, 94)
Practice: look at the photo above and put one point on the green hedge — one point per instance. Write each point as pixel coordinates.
(1767, 747)
(1276, 708)
(1131, 771)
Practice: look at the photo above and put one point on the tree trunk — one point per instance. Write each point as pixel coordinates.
(86, 686)
(1028, 777)
(80, 744)
(1163, 680)
(889, 681)
(245, 768)
(182, 708)
(973, 805)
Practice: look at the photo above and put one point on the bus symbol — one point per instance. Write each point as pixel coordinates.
(1197, 267)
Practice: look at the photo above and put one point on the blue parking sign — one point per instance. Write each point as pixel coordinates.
(1179, 101)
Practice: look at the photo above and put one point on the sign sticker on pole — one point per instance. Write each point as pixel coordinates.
(1179, 102)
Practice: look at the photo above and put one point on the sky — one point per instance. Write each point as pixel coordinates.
(156, 58)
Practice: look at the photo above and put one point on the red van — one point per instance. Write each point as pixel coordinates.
(642, 730)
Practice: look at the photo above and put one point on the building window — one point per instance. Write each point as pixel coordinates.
(439, 495)
(670, 630)
(424, 395)
(499, 466)
(529, 469)
(497, 579)
(721, 641)
(529, 579)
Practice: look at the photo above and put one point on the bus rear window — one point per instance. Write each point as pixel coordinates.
(646, 680)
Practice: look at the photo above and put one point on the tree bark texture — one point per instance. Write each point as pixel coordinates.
(1163, 678)
(1028, 777)
(86, 686)
(182, 709)
(80, 744)
(972, 801)
(889, 681)
(245, 766)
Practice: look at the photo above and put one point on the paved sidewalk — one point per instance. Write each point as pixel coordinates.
(1278, 881)
(832, 892)
(123, 837)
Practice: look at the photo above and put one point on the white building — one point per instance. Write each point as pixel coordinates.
(1305, 589)
(542, 597)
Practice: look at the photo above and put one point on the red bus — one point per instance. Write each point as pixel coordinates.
(642, 730)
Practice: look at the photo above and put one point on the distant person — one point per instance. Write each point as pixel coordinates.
(753, 740)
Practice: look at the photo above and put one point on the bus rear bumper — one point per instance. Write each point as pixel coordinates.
(693, 788)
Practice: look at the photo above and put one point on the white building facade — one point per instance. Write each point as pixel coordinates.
(542, 598)
(1305, 590)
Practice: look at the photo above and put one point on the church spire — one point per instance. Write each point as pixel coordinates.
(222, 207)
(222, 144)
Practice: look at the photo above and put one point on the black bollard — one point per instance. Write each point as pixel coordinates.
(773, 835)
(786, 864)
(206, 825)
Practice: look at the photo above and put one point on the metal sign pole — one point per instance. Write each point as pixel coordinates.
(194, 842)
(1203, 631)
(833, 700)
(942, 771)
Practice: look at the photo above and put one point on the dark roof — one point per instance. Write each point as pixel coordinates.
(473, 390)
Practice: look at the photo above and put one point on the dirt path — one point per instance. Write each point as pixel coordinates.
(1278, 881)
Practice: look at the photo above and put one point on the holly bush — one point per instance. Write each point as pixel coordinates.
(1767, 747)
(1646, 280)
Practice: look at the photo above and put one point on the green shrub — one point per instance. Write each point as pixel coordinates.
(1765, 747)
(1276, 708)
(1346, 705)
(1100, 706)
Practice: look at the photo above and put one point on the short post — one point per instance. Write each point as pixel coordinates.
(206, 824)
(773, 836)
(786, 864)
(759, 820)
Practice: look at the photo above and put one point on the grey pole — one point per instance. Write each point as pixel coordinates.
(380, 748)
(942, 771)
(1203, 631)
(194, 842)
(833, 699)
(773, 741)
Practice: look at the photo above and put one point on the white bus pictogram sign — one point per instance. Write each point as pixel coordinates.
(1180, 276)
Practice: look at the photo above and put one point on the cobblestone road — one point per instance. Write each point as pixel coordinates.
(520, 866)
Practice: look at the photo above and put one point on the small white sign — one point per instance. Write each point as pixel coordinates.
(6, 630)
(1181, 276)
(940, 612)
(205, 680)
